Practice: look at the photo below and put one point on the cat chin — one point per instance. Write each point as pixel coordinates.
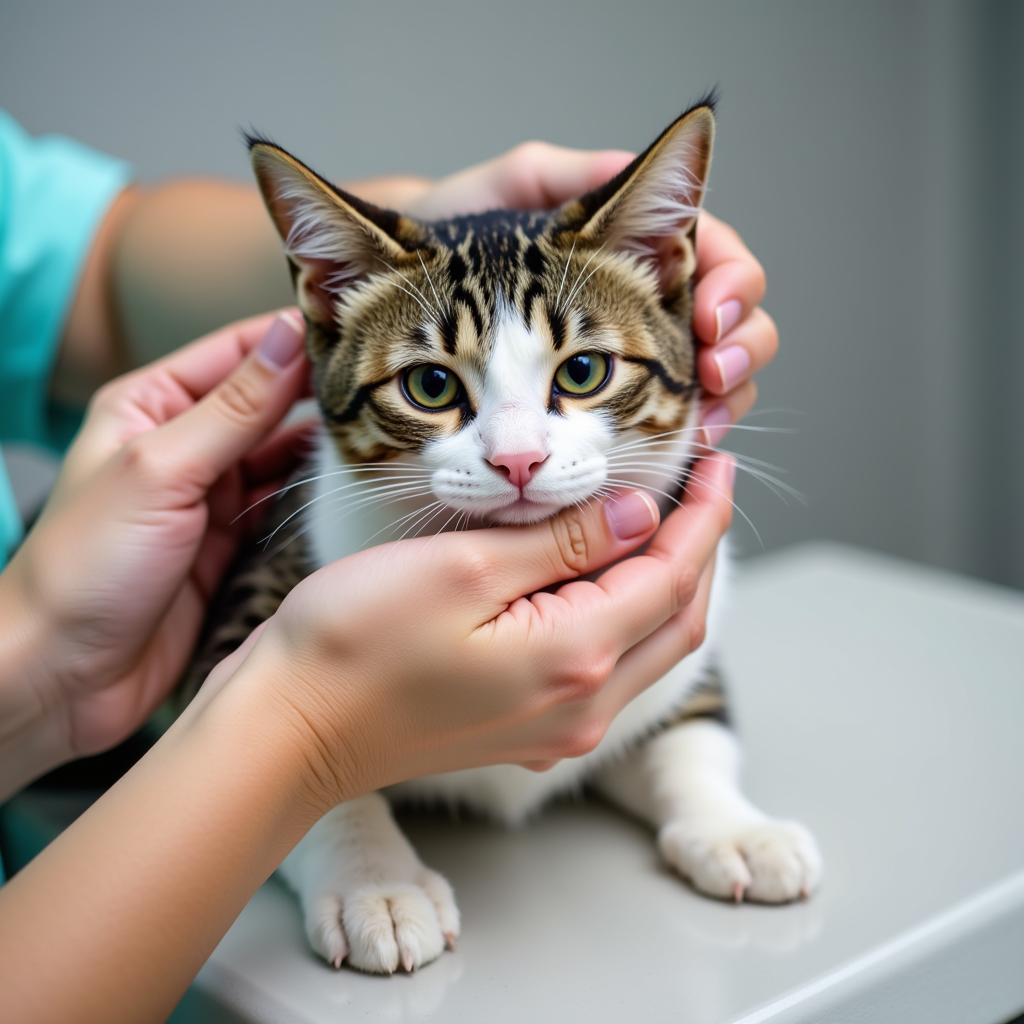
(522, 513)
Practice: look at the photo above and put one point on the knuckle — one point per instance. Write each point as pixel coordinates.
(724, 514)
(585, 677)
(572, 548)
(140, 460)
(583, 738)
(240, 397)
(698, 629)
(758, 277)
(687, 579)
(106, 397)
(772, 333)
(470, 570)
(529, 152)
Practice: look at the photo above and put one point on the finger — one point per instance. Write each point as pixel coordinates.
(195, 448)
(541, 175)
(642, 592)
(657, 654)
(718, 415)
(514, 561)
(744, 351)
(730, 280)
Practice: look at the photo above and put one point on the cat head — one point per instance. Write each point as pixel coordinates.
(504, 353)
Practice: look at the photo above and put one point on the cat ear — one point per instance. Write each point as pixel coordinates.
(650, 208)
(331, 237)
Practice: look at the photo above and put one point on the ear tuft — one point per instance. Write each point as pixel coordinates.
(330, 236)
(650, 208)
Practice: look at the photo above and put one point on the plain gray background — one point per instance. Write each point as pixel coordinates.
(870, 153)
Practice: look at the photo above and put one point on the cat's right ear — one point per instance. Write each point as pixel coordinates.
(331, 238)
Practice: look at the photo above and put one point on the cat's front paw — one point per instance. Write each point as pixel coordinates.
(380, 926)
(768, 861)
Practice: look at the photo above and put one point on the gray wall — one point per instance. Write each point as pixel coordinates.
(869, 152)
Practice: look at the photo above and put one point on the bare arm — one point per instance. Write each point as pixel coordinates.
(199, 823)
(171, 262)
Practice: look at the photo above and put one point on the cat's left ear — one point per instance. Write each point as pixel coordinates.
(332, 238)
(650, 208)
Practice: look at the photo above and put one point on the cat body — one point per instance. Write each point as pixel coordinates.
(495, 369)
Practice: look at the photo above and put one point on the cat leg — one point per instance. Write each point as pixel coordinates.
(685, 782)
(366, 897)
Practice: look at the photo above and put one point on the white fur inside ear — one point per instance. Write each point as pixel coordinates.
(664, 200)
(318, 230)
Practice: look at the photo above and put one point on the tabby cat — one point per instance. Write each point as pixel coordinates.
(495, 368)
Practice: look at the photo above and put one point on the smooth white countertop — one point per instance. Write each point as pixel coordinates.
(880, 703)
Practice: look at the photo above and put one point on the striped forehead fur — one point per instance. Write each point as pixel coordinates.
(581, 277)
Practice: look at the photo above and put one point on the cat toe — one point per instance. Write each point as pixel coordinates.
(324, 929)
(784, 862)
(391, 927)
(767, 862)
(439, 892)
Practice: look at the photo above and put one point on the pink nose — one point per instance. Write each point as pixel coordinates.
(519, 467)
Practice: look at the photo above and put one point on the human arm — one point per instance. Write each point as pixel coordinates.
(319, 707)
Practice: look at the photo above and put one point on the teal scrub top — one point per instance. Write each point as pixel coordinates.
(53, 195)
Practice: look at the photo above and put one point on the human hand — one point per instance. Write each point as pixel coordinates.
(443, 664)
(737, 337)
(112, 584)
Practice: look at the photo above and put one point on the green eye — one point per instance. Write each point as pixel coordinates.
(431, 386)
(583, 373)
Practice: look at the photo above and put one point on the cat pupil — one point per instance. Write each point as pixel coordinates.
(433, 382)
(579, 369)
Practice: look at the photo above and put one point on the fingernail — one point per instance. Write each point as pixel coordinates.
(282, 342)
(727, 316)
(630, 515)
(733, 364)
(716, 422)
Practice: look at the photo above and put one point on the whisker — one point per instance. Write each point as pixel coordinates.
(430, 281)
(697, 429)
(395, 523)
(694, 480)
(418, 296)
(407, 473)
(382, 499)
(572, 290)
(372, 491)
(779, 488)
(580, 286)
(565, 271)
(419, 523)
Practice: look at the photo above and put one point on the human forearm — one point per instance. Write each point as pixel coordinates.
(172, 261)
(32, 736)
(113, 920)
(195, 254)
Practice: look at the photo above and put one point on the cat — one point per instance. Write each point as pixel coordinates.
(496, 368)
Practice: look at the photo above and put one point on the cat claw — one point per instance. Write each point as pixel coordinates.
(449, 940)
(336, 962)
(408, 962)
(737, 892)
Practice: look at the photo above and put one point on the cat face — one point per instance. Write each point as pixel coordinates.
(504, 354)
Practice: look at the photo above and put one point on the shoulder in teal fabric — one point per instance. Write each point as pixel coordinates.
(53, 194)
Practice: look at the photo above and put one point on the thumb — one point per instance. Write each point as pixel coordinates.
(573, 543)
(235, 415)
